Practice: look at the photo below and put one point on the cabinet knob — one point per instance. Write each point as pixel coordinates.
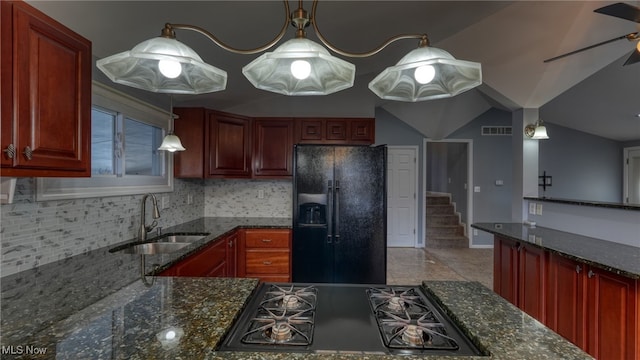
(28, 153)
(10, 151)
(266, 262)
(266, 240)
(230, 243)
(590, 274)
(578, 269)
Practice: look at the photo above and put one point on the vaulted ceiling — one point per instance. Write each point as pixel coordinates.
(590, 91)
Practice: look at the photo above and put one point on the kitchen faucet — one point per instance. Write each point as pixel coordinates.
(142, 234)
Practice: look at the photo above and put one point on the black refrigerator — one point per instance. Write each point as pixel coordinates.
(339, 214)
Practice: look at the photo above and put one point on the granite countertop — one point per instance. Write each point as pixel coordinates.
(130, 324)
(617, 258)
(96, 306)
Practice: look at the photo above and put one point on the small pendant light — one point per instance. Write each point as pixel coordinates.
(171, 142)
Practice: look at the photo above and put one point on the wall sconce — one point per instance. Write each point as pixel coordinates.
(537, 131)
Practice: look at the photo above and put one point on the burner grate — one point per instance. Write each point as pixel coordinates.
(406, 321)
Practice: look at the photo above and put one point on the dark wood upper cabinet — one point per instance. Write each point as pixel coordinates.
(336, 131)
(45, 104)
(232, 146)
(272, 147)
(228, 145)
(189, 127)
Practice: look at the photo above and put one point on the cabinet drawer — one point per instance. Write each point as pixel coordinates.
(267, 262)
(267, 239)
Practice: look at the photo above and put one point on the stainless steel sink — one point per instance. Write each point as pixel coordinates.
(178, 238)
(152, 248)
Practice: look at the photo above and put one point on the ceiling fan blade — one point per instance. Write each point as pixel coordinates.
(587, 48)
(634, 58)
(621, 10)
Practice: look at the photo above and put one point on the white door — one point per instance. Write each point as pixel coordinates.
(402, 200)
(632, 176)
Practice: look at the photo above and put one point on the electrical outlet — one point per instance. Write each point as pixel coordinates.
(532, 208)
(475, 232)
(538, 209)
(189, 199)
(476, 189)
(260, 194)
(164, 202)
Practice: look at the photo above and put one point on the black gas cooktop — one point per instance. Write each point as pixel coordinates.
(345, 318)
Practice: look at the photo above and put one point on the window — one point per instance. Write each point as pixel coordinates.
(125, 136)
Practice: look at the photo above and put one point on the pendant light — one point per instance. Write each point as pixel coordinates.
(300, 66)
(426, 73)
(171, 142)
(297, 67)
(163, 65)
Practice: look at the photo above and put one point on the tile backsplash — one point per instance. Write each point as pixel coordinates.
(37, 233)
(247, 198)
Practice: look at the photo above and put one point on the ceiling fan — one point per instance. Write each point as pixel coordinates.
(619, 10)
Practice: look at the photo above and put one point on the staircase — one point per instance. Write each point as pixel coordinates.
(444, 229)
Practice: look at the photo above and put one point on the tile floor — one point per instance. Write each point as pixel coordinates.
(408, 266)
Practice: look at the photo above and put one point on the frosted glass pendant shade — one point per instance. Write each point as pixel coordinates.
(540, 133)
(163, 65)
(273, 71)
(451, 76)
(171, 143)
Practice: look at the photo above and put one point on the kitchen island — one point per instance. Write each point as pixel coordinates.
(96, 306)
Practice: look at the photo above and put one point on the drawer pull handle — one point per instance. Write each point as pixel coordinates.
(266, 262)
(28, 153)
(10, 151)
(266, 240)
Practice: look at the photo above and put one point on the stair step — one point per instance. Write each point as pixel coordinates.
(442, 219)
(445, 230)
(439, 209)
(438, 242)
(438, 200)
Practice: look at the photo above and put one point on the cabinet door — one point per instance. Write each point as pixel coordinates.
(336, 131)
(566, 303)
(189, 127)
(531, 281)
(232, 254)
(310, 131)
(203, 262)
(506, 269)
(228, 145)
(51, 70)
(362, 131)
(612, 315)
(273, 147)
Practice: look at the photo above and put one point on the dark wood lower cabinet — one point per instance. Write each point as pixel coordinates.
(258, 253)
(595, 309)
(519, 275)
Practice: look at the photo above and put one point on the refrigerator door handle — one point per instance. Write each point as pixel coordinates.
(330, 215)
(336, 206)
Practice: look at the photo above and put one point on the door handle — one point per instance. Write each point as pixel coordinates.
(337, 212)
(329, 218)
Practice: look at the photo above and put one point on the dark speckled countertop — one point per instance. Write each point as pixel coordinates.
(96, 307)
(618, 258)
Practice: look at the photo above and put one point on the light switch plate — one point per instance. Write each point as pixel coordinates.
(532, 208)
(538, 209)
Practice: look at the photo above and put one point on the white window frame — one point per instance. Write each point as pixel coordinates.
(113, 185)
